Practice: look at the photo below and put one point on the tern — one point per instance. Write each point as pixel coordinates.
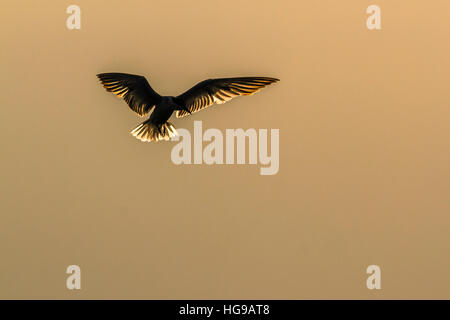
(142, 99)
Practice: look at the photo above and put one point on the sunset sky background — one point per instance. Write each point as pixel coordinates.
(364, 152)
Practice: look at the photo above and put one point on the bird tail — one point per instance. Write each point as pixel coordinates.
(148, 131)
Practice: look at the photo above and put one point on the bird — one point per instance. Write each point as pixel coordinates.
(143, 100)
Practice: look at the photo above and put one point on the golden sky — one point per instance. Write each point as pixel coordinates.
(364, 173)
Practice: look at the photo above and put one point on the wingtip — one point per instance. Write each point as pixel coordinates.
(269, 79)
(104, 75)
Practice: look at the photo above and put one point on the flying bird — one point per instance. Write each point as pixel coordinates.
(142, 99)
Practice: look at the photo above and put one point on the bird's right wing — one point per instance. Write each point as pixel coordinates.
(208, 92)
(134, 89)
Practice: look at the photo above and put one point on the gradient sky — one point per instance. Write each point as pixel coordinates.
(364, 152)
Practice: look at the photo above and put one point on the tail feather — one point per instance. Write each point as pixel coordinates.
(148, 131)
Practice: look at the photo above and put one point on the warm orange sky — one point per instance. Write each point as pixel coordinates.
(364, 152)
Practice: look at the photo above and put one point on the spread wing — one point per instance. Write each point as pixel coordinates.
(134, 89)
(208, 92)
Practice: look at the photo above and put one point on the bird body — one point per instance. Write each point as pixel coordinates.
(164, 110)
(142, 99)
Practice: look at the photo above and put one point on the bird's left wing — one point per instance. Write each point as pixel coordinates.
(211, 91)
(134, 89)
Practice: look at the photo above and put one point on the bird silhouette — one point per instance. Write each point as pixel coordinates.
(142, 99)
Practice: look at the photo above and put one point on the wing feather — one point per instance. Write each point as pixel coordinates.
(208, 92)
(134, 89)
